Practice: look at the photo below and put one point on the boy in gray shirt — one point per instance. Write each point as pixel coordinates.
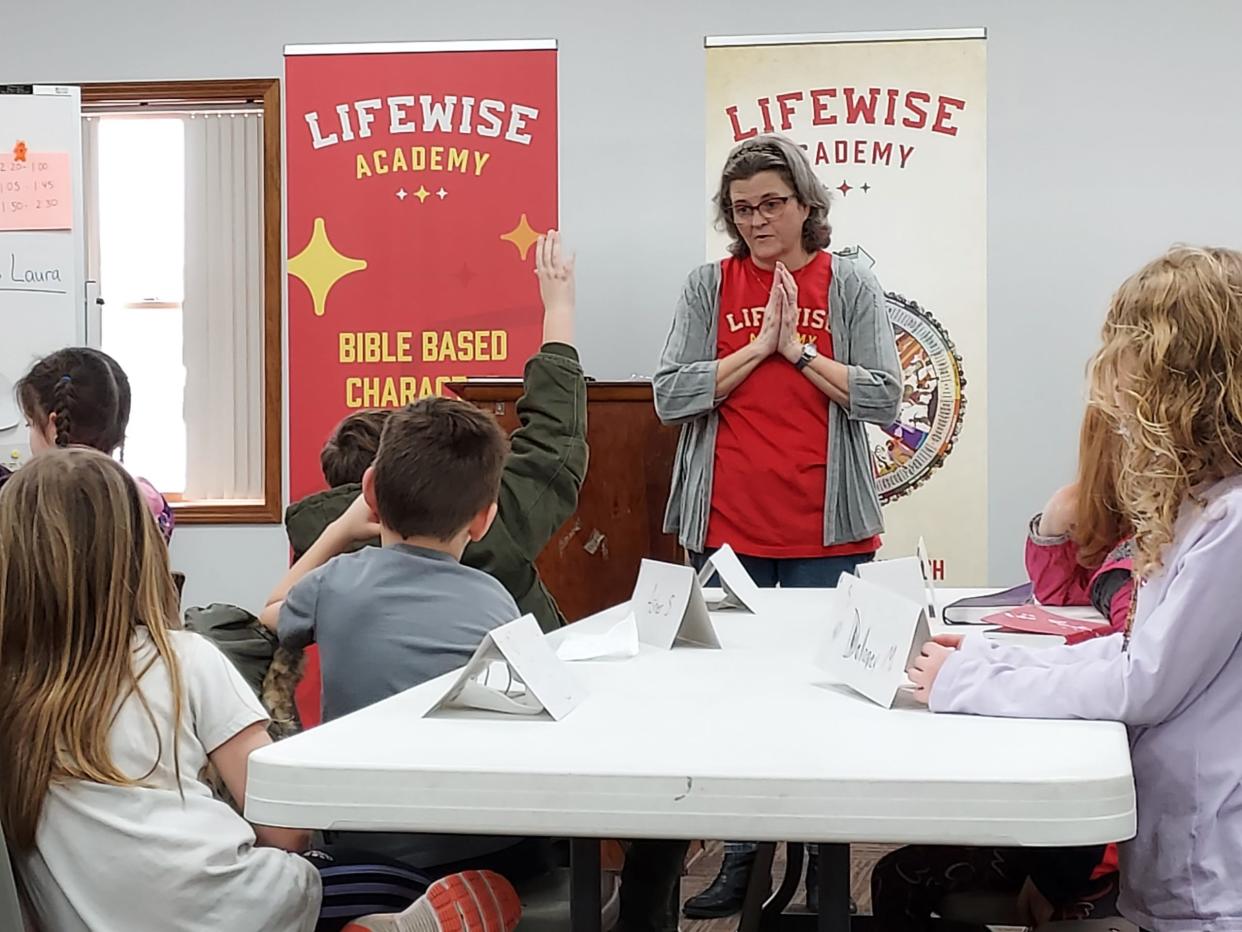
(390, 618)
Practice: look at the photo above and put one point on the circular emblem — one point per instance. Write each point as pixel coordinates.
(932, 403)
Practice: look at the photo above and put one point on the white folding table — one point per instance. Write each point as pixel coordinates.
(747, 742)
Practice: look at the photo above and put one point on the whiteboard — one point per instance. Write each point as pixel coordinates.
(42, 272)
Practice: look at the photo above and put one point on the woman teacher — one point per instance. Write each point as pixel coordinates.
(779, 356)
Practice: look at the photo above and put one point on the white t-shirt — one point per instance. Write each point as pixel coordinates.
(143, 858)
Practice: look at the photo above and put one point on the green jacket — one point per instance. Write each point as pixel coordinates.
(538, 489)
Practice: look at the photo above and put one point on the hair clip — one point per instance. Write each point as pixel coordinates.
(65, 378)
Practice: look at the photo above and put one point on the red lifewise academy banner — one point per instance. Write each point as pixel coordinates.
(418, 178)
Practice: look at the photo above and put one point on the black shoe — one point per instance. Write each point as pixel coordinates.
(727, 892)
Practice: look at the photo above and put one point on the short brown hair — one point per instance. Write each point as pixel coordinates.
(780, 154)
(352, 447)
(439, 465)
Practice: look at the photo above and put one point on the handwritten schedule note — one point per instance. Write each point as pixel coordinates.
(36, 194)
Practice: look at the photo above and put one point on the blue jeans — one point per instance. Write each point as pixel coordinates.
(792, 573)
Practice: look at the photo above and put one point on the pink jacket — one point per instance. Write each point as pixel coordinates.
(159, 508)
(155, 501)
(1059, 579)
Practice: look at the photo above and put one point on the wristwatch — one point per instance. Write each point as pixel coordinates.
(809, 352)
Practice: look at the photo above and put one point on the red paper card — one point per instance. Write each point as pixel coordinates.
(1031, 619)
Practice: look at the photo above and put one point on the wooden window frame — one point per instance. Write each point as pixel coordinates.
(199, 93)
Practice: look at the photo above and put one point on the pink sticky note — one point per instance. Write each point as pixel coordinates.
(36, 194)
(1031, 619)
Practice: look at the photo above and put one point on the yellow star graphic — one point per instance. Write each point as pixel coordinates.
(523, 236)
(422, 194)
(319, 266)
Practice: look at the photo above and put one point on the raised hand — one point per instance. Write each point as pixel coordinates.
(555, 272)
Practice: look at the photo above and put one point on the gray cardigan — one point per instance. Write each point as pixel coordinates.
(685, 394)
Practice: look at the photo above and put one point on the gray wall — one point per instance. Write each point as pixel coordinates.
(1112, 133)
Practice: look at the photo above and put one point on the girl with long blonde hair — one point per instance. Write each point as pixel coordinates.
(108, 714)
(1169, 375)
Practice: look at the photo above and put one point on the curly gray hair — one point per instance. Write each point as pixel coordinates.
(782, 155)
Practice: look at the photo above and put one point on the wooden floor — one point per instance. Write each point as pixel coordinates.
(703, 871)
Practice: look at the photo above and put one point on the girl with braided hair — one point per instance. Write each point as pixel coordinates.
(80, 397)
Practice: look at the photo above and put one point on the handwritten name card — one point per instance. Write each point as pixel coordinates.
(873, 636)
(515, 671)
(669, 608)
(739, 589)
(907, 576)
(929, 579)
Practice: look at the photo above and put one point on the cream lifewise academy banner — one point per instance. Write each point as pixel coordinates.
(895, 125)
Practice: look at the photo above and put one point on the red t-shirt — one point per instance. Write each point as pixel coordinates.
(771, 463)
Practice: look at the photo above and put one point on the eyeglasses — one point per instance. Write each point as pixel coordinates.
(769, 208)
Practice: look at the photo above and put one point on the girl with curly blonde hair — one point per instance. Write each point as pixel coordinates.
(1169, 375)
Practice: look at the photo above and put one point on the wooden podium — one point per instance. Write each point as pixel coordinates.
(591, 563)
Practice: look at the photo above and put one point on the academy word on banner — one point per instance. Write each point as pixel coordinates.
(895, 127)
(419, 177)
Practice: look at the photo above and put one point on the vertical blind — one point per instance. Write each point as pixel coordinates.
(223, 307)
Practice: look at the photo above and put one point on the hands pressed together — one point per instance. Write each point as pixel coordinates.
(779, 331)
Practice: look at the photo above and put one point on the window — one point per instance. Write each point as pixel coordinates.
(183, 230)
(142, 259)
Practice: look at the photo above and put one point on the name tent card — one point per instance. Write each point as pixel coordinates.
(902, 576)
(907, 576)
(929, 580)
(515, 671)
(669, 607)
(873, 637)
(740, 590)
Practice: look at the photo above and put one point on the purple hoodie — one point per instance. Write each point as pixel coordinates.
(1178, 689)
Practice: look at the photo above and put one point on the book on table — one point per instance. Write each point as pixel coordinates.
(979, 609)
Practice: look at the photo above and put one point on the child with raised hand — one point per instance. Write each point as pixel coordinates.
(1169, 375)
(543, 472)
(110, 714)
(81, 397)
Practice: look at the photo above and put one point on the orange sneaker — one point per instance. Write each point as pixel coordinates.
(472, 901)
